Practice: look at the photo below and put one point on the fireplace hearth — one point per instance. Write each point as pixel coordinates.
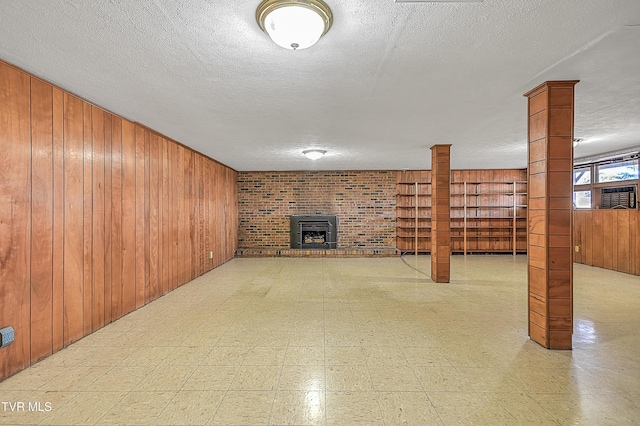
(314, 232)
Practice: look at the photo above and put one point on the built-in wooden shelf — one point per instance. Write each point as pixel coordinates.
(487, 215)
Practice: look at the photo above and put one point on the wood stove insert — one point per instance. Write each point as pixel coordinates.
(314, 232)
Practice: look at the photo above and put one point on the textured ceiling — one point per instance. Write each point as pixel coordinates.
(385, 83)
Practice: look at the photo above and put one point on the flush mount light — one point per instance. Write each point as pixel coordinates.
(294, 24)
(314, 154)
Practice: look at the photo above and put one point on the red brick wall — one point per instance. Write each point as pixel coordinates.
(364, 202)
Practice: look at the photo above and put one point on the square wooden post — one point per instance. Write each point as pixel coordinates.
(440, 213)
(550, 216)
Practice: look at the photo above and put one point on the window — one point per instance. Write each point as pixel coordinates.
(614, 172)
(582, 176)
(582, 199)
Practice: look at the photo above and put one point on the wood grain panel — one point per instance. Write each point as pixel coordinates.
(116, 219)
(128, 217)
(607, 239)
(87, 218)
(98, 232)
(140, 222)
(58, 221)
(108, 216)
(73, 219)
(15, 217)
(166, 218)
(155, 259)
(41, 219)
(147, 216)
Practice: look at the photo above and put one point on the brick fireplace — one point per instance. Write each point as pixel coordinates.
(363, 202)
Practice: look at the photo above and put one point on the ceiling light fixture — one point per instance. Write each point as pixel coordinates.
(314, 154)
(294, 24)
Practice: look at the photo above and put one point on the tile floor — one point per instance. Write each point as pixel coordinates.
(346, 342)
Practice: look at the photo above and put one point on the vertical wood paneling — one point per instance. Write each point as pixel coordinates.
(180, 243)
(155, 236)
(108, 216)
(41, 219)
(609, 239)
(58, 220)
(87, 218)
(128, 217)
(140, 222)
(98, 232)
(98, 217)
(147, 217)
(166, 219)
(116, 218)
(15, 229)
(73, 219)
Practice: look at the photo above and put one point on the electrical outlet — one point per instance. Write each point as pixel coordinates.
(210, 255)
(7, 335)
(577, 249)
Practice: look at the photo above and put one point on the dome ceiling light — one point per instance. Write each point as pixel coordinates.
(294, 24)
(314, 154)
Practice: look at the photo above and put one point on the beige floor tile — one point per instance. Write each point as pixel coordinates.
(353, 408)
(311, 337)
(32, 378)
(341, 338)
(302, 378)
(186, 355)
(440, 379)
(165, 378)
(389, 378)
(84, 408)
(147, 355)
(265, 355)
(210, 378)
(226, 355)
(191, 408)
(256, 378)
(75, 379)
(425, 357)
(489, 379)
(120, 379)
(384, 355)
(298, 408)
(344, 355)
(407, 408)
(348, 378)
(304, 355)
(268, 324)
(462, 408)
(137, 408)
(244, 408)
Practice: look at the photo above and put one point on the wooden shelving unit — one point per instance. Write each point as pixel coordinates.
(413, 211)
(487, 216)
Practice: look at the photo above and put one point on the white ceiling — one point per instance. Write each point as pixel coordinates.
(388, 80)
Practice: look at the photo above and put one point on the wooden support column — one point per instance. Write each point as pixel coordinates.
(440, 213)
(550, 201)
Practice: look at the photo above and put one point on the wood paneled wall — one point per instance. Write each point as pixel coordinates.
(608, 239)
(98, 216)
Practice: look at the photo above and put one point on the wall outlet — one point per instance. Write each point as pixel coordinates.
(210, 255)
(577, 249)
(7, 335)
